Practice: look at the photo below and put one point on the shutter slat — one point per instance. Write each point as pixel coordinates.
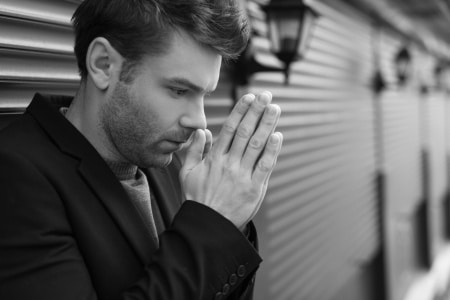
(35, 36)
(45, 11)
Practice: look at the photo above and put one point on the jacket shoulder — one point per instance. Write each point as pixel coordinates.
(23, 135)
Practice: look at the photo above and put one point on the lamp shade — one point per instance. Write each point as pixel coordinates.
(290, 24)
(403, 65)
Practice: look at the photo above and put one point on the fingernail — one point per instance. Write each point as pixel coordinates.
(264, 98)
(248, 99)
(274, 139)
(271, 109)
(197, 134)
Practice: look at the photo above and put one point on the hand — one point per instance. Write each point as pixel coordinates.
(232, 176)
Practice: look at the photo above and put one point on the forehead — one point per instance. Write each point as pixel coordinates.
(185, 58)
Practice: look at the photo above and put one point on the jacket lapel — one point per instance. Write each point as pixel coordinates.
(109, 190)
(167, 190)
(95, 172)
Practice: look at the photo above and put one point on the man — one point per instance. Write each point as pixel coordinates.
(93, 202)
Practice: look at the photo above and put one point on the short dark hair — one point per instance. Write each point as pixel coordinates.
(142, 27)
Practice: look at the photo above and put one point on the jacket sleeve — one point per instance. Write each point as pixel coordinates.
(245, 290)
(206, 255)
(201, 256)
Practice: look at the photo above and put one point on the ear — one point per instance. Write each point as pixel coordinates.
(103, 63)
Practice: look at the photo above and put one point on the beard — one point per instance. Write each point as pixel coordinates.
(133, 131)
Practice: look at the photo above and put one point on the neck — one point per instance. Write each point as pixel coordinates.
(84, 114)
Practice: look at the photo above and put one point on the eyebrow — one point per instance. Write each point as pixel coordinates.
(185, 82)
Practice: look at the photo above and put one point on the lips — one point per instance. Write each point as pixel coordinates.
(182, 139)
(180, 142)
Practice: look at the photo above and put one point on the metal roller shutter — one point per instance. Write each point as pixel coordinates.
(36, 55)
(319, 220)
(401, 154)
(446, 209)
(434, 143)
(35, 51)
(433, 139)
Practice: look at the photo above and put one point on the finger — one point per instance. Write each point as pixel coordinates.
(266, 163)
(228, 130)
(194, 153)
(248, 125)
(266, 182)
(208, 142)
(259, 139)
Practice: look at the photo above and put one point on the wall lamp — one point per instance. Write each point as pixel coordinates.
(290, 26)
(442, 75)
(403, 65)
(378, 82)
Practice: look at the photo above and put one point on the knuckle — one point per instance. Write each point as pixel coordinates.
(242, 108)
(268, 121)
(257, 108)
(255, 143)
(264, 165)
(244, 131)
(230, 167)
(228, 128)
(271, 153)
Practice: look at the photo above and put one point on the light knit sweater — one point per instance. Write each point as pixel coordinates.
(137, 188)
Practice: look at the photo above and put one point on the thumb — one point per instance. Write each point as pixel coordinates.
(194, 152)
(208, 143)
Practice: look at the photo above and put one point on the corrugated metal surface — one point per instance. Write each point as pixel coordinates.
(402, 167)
(319, 220)
(36, 55)
(35, 51)
(434, 142)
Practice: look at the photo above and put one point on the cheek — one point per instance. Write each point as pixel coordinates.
(155, 107)
(164, 115)
(145, 124)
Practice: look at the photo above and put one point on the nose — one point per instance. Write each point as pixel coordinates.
(194, 116)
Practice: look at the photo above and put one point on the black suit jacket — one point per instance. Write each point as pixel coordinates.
(68, 230)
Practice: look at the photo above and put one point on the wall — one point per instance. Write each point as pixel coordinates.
(351, 212)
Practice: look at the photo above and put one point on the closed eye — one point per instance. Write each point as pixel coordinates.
(178, 91)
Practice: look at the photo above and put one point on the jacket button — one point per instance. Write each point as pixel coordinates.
(233, 279)
(219, 296)
(241, 271)
(226, 289)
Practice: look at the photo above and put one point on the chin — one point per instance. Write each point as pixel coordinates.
(167, 162)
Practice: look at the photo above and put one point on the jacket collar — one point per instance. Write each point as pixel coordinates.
(94, 170)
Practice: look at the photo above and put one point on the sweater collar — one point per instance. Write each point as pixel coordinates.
(122, 170)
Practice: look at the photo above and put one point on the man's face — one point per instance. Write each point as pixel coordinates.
(152, 117)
